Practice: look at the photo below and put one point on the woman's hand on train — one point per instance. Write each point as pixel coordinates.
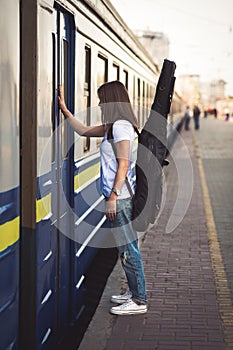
(81, 129)
(111, 208)
(61, 99)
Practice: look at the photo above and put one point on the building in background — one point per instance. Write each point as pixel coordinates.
(156, 43)
(212, 93)
(189, 86)
(207, 95)
(225, 106)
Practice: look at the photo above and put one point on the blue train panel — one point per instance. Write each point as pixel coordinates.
(9, 269)
(46, 282)
(88, 210)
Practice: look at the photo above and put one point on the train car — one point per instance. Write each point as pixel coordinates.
(9, 174)
(51, 211)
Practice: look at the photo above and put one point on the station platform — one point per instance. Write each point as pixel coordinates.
(188, 267)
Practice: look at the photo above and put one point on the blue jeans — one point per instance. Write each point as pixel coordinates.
(127, 243)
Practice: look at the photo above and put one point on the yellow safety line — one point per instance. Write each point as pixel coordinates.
(223, 290)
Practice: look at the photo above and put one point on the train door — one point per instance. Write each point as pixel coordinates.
(62, 162)
(9, 174)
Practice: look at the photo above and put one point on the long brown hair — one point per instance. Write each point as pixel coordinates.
(115, 103)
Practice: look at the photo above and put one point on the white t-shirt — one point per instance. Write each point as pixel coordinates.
(122, 130)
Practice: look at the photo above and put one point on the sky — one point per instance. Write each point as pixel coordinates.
(200, 33)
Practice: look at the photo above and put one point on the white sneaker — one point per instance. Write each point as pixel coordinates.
(129, 308)
(121, 299)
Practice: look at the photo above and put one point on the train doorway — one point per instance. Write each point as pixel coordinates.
(62, 163)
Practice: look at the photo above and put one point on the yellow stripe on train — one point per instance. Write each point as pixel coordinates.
(43, 207)
(9, 233)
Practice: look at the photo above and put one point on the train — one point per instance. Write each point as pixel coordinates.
(51, 211)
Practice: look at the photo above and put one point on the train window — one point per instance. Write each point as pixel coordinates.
(143, 102)
(139, 101)
(116, 72)
(126, 78)
(65, 89)
(102, 70)
(54, 95)
(151, 94)
(87, 94)
(134, 91)
(147, 97)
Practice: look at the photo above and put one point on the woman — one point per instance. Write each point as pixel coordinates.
(116, 159)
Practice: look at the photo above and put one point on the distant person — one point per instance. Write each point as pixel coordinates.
(227, 116)
(196, 117)
(215, 112)
(187, 117)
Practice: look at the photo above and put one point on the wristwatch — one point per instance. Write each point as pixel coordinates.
(116, 191)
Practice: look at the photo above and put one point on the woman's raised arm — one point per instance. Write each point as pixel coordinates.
(81, 129)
